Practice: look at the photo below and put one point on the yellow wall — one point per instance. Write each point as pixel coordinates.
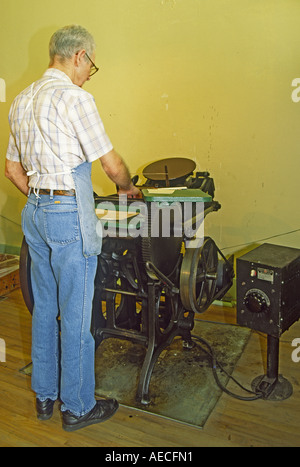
(207, 79)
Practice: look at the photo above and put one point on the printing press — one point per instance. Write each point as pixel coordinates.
(156, 268)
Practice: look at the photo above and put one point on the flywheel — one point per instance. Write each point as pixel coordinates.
(198, 276)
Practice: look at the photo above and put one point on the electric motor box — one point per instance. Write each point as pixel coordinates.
(268, 288)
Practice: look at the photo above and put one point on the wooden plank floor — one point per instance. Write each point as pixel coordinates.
(232, 423)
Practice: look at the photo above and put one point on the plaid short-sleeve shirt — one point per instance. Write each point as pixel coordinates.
(55, 131)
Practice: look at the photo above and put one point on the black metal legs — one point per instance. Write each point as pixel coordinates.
(272, 386)
(143, 386)
(162, 319)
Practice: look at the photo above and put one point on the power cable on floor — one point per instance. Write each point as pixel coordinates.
(215, 363)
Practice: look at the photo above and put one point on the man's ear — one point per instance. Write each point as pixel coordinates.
(79, 56)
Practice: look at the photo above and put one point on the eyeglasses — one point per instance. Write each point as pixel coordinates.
(94, 68)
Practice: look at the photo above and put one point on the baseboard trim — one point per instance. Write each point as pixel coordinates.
(10, 249)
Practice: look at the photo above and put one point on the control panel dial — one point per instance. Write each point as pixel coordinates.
(257, 301)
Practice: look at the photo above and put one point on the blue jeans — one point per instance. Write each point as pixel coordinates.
(63, 286)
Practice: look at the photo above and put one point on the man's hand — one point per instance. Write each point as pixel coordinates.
(133, 192)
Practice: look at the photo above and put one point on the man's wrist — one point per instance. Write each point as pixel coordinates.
(127, 187)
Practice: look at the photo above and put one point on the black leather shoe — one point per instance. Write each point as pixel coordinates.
(44, 409)
(102, 411)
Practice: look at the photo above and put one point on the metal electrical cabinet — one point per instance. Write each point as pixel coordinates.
(268, 300)
(268, 288)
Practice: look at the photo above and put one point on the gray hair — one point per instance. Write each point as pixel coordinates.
(68, 40)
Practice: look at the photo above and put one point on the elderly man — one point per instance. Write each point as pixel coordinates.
(56, 133)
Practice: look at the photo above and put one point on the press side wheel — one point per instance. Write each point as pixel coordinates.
(198, 276)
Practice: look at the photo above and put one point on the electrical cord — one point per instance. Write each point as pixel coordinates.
(260, 240)
(215, 363)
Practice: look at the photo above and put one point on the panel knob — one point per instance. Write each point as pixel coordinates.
(257, 301)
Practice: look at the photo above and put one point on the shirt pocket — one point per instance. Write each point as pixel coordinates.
(61, 226)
